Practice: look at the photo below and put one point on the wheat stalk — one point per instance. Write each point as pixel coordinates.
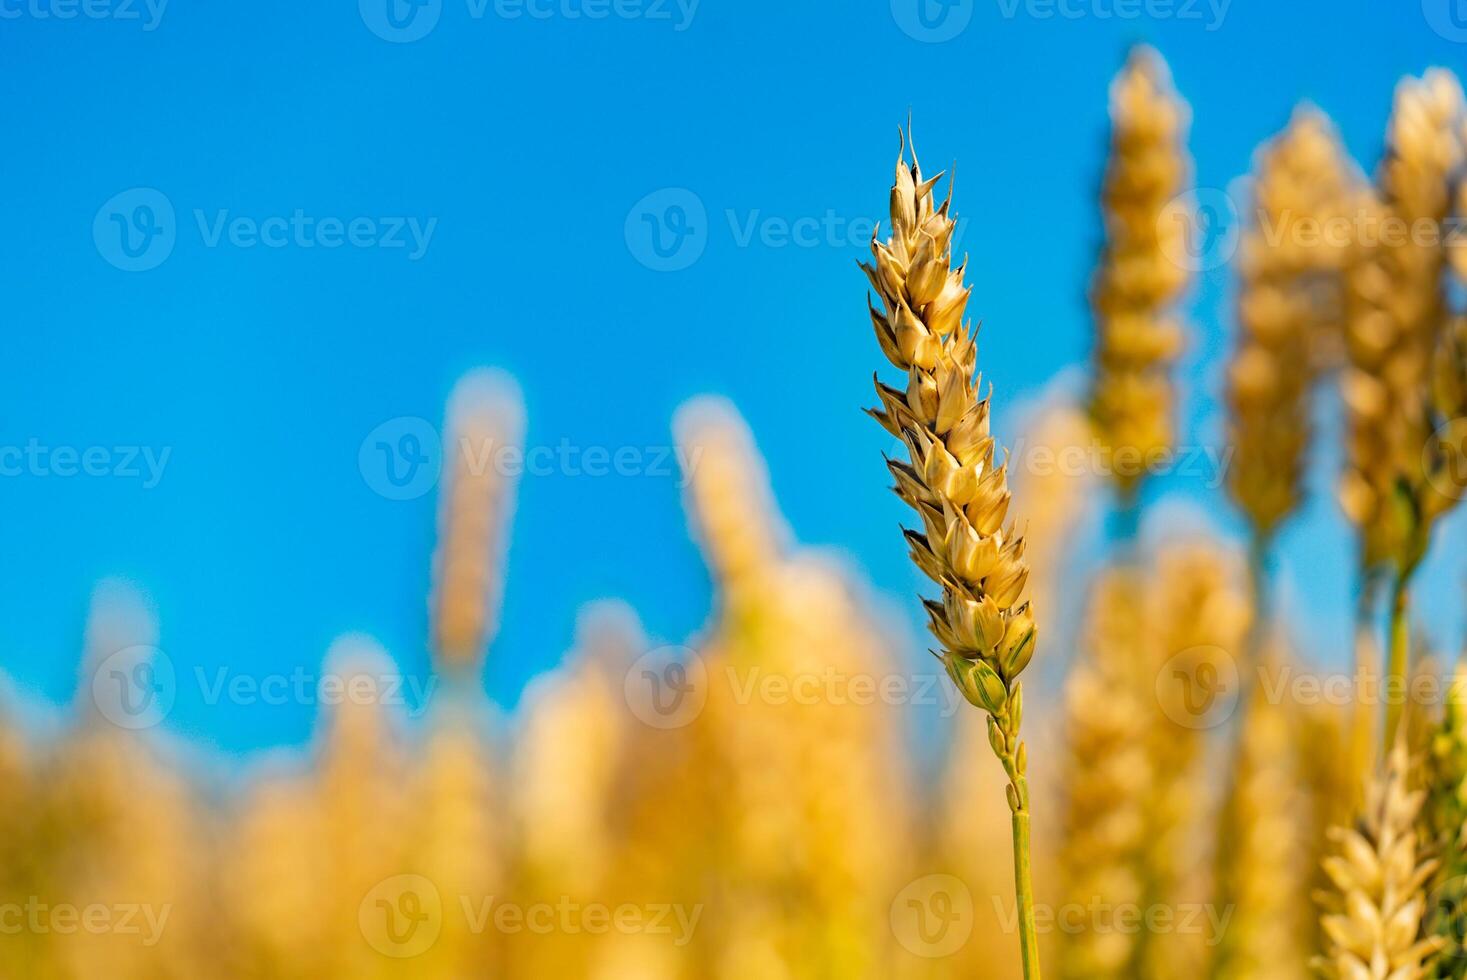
(1288, 300)
(959, 492)
(1139, 278)
(1375, 911)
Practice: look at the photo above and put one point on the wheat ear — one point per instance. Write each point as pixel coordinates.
(1140, 276)
(1109, 778)
(1264, 866)
(1397, 314)
(955, 484)
(1374, 912)
(1289, 298)
(1198, 618)
(485, 417)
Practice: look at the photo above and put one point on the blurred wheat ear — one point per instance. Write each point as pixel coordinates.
(483, 429)
(1143, 268)
(1397, 318)
(1375, 912)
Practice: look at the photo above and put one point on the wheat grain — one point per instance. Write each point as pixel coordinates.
(1140, 276)
(1375, 911)
(1289, 301)
(985, 628)
(485, 417)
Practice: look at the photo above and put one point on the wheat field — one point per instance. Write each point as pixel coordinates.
(1142, 776)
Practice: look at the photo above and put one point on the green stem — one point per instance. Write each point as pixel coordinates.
(1400, 637)
(1024, 883)
(1262, 612)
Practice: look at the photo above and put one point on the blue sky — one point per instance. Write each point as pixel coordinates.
(522, 141)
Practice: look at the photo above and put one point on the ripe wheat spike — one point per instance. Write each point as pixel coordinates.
(1375, 911)
(1396, 315)
(1289, 304)
(1142, 271)
(952, 479)
(485, 417)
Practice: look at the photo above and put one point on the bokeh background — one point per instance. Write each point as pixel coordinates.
(528, 142)
(261, 257)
